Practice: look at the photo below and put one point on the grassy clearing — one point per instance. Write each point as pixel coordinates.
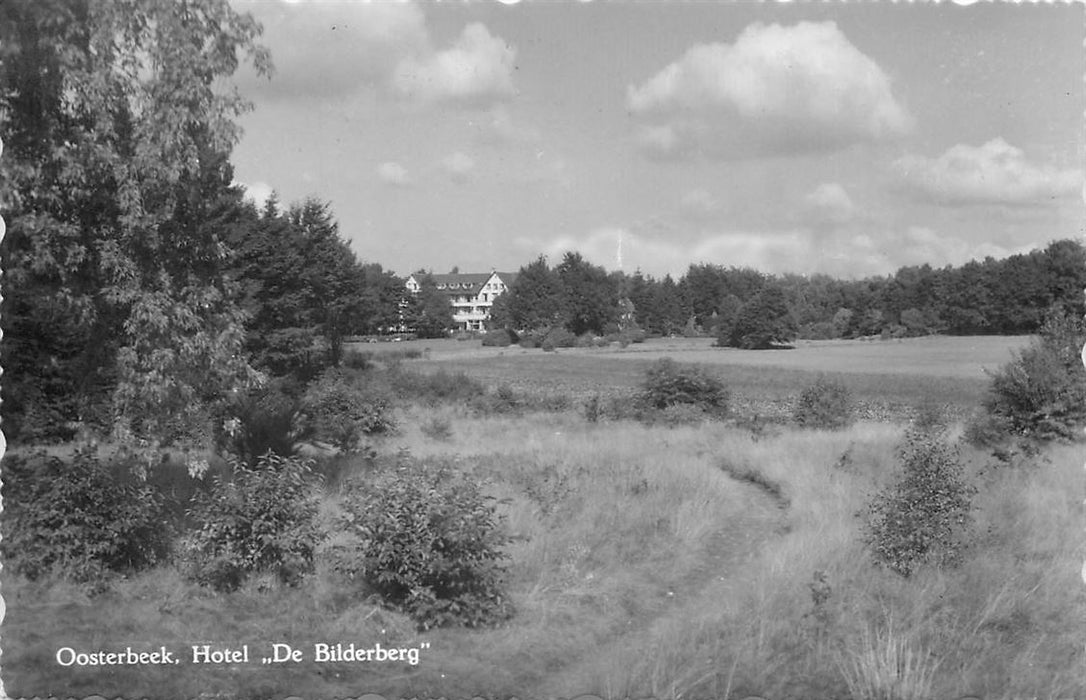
(689, 562)
(888, 375)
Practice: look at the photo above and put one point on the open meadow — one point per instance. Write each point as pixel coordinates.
(694, 558)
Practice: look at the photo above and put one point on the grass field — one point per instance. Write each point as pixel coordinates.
(650, 561)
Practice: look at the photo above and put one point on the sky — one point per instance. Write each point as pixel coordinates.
(847, 139)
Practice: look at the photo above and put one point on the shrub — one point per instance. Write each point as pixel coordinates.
(437, 387)
(75, 519)
(437, 428)
(499, 338)
(668, 383)
(265, 420)
(1041, 392)
(263, 519)
(824, 404)
(428, 542)
(339, 410)
(358, 359)
(923, 516)
(558, 337)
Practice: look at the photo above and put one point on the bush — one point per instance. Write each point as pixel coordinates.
(924, 516)
(668, 383)
(264, 519)
(1041, 392)
(339, 410)
(77, 520)
(437, 387)
(499, 338)
(358, 359)
(437, 428)
(261, 421)
(558, 337)
(824, 404)
(429, 543)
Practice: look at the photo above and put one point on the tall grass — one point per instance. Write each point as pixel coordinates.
(641, 567)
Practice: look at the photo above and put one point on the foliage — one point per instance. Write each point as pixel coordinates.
(302, 287)
(924, 516)
(339, 409)
(117, 122)
(1041, 393)
(558, 337)
(534, 300)
(261, 421)
(824, 404)
(429, 542)
(500, 338)
(760, 323)
(263, 519)
(435, 387)
(589, 296)
(667, 383)
(76, 519)
(429, 311)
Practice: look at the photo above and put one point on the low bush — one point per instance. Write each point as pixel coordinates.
(264, 420)
(1041, 393)
(263, 519)
(437, 428)
(76, 519)
(499, 338)
(667, 383)
(437, 387)
(924, 516)
(429, 542)
(340, 409)
(824, 404)
(358, 359)
(558, 337)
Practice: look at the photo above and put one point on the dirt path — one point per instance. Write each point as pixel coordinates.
(739, 539)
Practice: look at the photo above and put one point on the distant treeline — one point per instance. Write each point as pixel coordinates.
(998, 297)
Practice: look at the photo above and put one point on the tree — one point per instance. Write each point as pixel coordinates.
(301, 285)
(429, 311)
(589, 296)
(535, 298)
(761, 322)
(117, 132)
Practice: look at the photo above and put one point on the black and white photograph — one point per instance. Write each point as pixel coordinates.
(598, 350)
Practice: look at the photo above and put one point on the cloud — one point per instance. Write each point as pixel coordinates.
(829, 203)
(477, 69)
(394, 174)
(995, 173)
(498, 127)
(458, 166)
(775, 91)
(699, 204)
(842, 253)
(327, 49)
(256, 192)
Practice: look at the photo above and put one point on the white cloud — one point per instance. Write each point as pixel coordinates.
(478, 68)
(326, 48)
(776, 90)
(394, 174)
(458, 166)
(995, 173)
(498, 127)
(256, 192)
(829, 203)
(845, 254)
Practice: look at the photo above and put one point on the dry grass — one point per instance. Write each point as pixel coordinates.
(640, 567)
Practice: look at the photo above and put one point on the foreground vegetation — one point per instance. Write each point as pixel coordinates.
(692, 554)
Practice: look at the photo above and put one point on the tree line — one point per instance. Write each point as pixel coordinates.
(142, 291)
(747, 308)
